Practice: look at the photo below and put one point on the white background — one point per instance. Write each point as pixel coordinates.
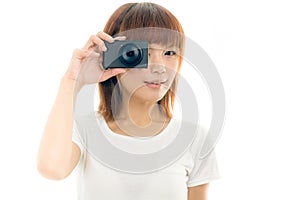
(254, 44)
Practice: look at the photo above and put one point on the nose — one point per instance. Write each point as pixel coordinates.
(156, 63)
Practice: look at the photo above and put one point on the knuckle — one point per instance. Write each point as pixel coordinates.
(92, 37)
(101, 43)
(77, 51)
(100, 33)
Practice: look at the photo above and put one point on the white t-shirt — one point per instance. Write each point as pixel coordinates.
(97, 181)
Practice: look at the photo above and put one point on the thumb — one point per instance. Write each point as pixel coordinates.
(116, 71)
(112, 72)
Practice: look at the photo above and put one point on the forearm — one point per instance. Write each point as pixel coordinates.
(55, 150)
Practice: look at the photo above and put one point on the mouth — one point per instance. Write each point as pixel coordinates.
(155, 83)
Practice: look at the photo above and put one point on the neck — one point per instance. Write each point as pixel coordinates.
(141, 113)
(137, 117)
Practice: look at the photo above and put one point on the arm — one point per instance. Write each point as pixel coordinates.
(58, 155)
(198, 192)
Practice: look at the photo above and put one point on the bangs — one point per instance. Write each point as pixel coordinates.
(150, 22)
(154, 35)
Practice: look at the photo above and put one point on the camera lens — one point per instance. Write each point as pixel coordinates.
(130, 54)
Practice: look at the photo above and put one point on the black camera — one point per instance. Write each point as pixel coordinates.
(126, 54)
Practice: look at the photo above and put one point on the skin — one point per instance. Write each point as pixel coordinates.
(140, 88)
(198, 192)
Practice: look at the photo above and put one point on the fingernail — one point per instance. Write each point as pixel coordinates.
(111, 39)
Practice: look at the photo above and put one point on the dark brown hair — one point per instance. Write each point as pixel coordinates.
(132, 20)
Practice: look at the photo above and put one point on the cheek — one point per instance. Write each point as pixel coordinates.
(172, 70)
(172, 64)
(131, 80)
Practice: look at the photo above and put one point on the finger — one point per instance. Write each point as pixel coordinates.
(120, 38)
(112, 72)
(79, 53)
(93, 42)
(105, 36)
(77, 57)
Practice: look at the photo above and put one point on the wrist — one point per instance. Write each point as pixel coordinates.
(70, 85)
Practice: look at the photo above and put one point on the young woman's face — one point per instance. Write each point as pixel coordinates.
(152, 83)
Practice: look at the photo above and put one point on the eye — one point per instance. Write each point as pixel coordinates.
(170, 53)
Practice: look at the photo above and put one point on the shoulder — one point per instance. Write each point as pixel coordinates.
(195, 129)
(87, 117)
(87, 120)
(86, 124)
(198, 135)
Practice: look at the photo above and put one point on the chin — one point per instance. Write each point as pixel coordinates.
(149, 95)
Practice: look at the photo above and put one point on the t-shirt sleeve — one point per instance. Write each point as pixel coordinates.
(205, 167)
(204, 170)
(76, 137)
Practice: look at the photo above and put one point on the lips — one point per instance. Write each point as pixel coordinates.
(156, 82)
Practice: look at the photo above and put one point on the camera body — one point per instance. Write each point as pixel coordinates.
(126, 54)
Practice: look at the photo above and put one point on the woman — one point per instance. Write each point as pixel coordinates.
(136, 107)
